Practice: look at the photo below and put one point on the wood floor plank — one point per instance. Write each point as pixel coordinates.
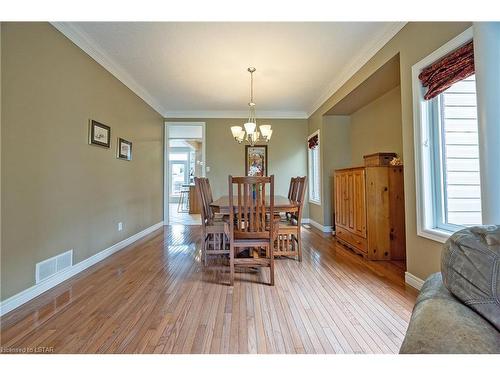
(156, 296)
(250, 316)
(259, 322)
(215, 344)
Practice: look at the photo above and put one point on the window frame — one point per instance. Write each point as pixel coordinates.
(309, 169)
(426, 167)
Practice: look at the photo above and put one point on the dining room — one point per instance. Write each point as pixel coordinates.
(236, 187)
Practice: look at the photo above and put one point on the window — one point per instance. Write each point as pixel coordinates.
(313, 145)
(446, 149)
(455, 156)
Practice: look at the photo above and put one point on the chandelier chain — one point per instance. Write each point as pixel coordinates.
(251, 87)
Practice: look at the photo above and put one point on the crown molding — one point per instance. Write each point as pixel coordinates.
(89, 46)
(236, 114)
(357, 63)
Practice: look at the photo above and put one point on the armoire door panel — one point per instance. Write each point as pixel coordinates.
(359, 202)
(350, 200)
(343, 203)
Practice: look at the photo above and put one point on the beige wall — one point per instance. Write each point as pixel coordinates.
(287, 152)
(336, 150)
(58, 192)
(415, 41)
(377, 127)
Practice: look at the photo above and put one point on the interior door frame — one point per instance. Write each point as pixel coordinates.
(166, 174)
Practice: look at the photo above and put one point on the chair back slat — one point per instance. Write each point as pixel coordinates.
(208, 191)
(292, 190)
(199, 190)
(263, 207)
(248, 212)
(301, 189)
(301, 183)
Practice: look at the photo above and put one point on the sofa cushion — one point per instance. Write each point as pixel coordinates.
(470, 265)
(440, 323)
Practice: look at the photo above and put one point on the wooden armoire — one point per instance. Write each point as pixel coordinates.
(369, 208)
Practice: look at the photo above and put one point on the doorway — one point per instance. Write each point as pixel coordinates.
(184, 160)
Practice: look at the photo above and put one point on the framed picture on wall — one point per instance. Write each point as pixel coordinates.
(255, 160)
(99, 134)
(124, 149)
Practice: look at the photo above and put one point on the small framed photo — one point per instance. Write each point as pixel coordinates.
(256, 161)
(99, 134)
(124, 149)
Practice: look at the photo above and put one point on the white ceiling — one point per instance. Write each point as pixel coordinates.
(199, 69)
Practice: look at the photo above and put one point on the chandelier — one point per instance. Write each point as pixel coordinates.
(249, 132)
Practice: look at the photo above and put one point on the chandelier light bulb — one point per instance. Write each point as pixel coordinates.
(265, 130)
(268, 138)
(236, 130)
(241, 136)
(250, 127)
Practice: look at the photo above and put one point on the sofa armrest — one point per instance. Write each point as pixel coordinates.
(442, 324)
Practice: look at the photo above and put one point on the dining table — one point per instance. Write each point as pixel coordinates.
(281, 204)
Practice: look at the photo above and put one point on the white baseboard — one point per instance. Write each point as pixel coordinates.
(413, 281)
(28, 294)
(323, 228)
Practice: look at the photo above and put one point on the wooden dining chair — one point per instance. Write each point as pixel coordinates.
(252, 224)
(289, 240)
(292, 195)
(214, 229)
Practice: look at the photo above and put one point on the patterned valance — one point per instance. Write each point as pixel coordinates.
(450, 69)
(313, 142)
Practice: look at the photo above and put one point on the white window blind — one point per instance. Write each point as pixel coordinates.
(456, 156)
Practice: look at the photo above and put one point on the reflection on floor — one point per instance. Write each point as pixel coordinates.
(185, 218)
(156, 296)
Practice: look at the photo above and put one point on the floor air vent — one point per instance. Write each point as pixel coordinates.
(52, 266)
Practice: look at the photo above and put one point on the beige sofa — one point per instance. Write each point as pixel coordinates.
(440, 323)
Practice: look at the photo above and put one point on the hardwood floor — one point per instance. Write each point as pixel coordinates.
(184, 218)
(156, 297)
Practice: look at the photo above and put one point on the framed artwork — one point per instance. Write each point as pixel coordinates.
(124, 149)
(99, 134)
(255, 160)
